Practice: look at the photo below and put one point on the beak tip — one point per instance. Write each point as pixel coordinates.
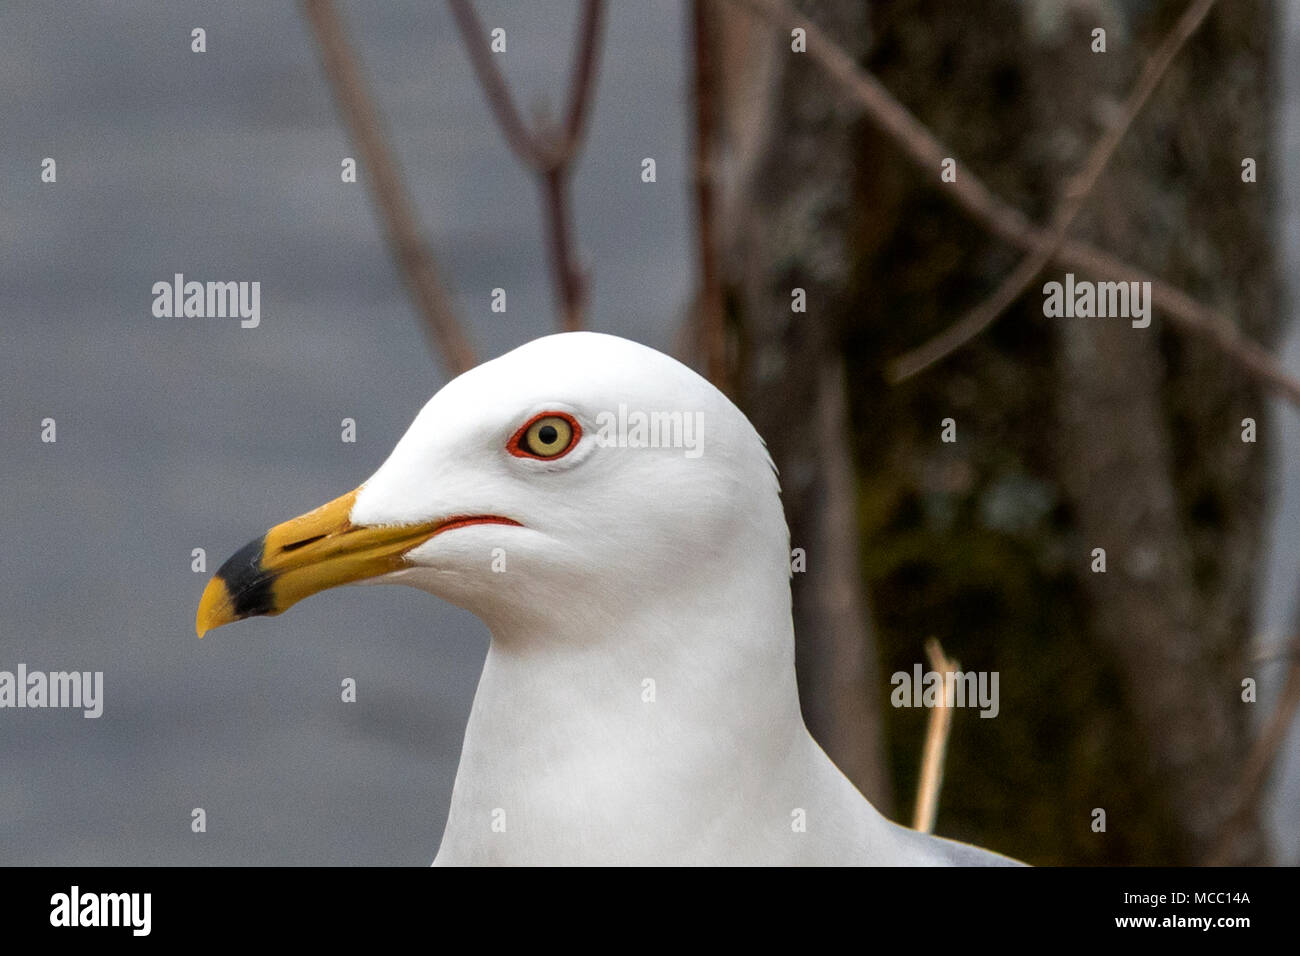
(296, 559)
(214, 608)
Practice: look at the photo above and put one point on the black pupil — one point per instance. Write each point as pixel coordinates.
(547, 434)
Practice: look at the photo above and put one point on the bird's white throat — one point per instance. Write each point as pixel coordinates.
(628, 728)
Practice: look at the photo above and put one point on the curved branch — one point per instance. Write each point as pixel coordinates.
(1076, 194)
(521, 139)
(586, 60)
(414, 260)
(1007, 222)
(549, 153)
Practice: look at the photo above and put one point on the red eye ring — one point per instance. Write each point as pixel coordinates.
(518, 447)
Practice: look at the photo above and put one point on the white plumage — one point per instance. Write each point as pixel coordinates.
(638, 703)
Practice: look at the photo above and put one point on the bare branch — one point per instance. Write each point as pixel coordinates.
(521, 139)
(548, 152)
(571, 284)
(1007, 222)
(1076, 194)
(583, 82)
(709, 317)
(448, 339)
(936, 743)
(1261, 760)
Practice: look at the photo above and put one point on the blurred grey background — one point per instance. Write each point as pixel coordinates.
(183, 433)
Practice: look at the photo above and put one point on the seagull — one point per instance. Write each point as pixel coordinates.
(616, 522)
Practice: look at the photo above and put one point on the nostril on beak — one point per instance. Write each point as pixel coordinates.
(301, 544)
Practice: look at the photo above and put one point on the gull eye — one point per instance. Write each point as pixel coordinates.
(548, 435)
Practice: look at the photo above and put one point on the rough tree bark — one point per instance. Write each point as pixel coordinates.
(1151, 450)
(787, 181)
(1119, 690)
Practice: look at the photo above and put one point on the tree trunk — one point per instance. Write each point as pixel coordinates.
(789, 204)
(1121, 690)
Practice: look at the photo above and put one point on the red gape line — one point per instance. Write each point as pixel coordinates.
(459, 522)
(515, 445)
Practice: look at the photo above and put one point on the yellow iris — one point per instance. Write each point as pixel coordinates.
(548, 437)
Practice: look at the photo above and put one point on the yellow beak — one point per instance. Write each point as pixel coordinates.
(319, 550)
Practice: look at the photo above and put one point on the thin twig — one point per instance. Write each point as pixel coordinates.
(1071, 203)
(547, 151)
(936, 743)
(1263, 755)
(583, 79)
(1261, 760)
(571, 284)
(1189, 315)
(709, 313)
(1007, 222)
(521, 139)
(447, 337)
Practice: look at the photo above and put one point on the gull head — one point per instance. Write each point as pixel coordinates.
(580, 477)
